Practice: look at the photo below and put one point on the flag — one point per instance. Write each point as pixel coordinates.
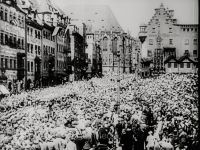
(55, 32)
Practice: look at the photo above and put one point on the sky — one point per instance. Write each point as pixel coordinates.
(131, 13)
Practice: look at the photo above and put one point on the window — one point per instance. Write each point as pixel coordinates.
(6, 15)
(2, 62)
(6, 63)
(2, 38)
(28, 30)
(44, 49)
(31, 66)
(171, 41)
(14, 17)
(28, 47)
(28, 66)
(11, 66)
(6, 39)
(149, 53)
(38, 50)
(44, 34)
(15, 64)
(11, 41)
(150, 41)
(1, 13)
(195, 29)
(182, 65)
(18, 43)
(105, 43)
(169, 65)
(186, 41)
(195, 41)
(22, 43)
(153, 30)
(15, 41)
(31, 48)
(194, 53)
(175, 65)
(188, 65)
(170, 30)
(31, 32)
(186, 52)
(11, 16)
(36, 34)
(20, 23)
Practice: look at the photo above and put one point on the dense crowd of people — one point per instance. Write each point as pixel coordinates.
(152, 113)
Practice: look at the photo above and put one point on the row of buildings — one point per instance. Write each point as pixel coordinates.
(167, 46)
(40, 44)
(36, 39)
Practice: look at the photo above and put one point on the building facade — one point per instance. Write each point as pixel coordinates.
(34, 51)
(78, 55)
(163, 36)
(12, 41)
(111, 43)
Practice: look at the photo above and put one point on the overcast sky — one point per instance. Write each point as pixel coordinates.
(131, 13)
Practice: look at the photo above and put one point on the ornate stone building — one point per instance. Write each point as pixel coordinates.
(163, 37)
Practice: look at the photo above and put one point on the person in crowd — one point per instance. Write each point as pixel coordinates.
(84, 113)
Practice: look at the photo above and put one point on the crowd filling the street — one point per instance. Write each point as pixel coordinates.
(153, 113)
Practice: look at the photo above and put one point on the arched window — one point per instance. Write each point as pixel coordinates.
(105, 43)
(115, 45)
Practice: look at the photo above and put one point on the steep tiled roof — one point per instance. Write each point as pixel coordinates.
(100, 17)
(171, 57)
(181, 59)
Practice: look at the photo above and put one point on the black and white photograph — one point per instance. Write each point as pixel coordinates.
(99, 75)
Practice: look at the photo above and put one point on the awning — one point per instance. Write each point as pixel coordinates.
(55, 32)
(4, 90)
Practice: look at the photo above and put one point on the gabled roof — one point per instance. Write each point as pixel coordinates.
(171, 57)
(181, 59)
